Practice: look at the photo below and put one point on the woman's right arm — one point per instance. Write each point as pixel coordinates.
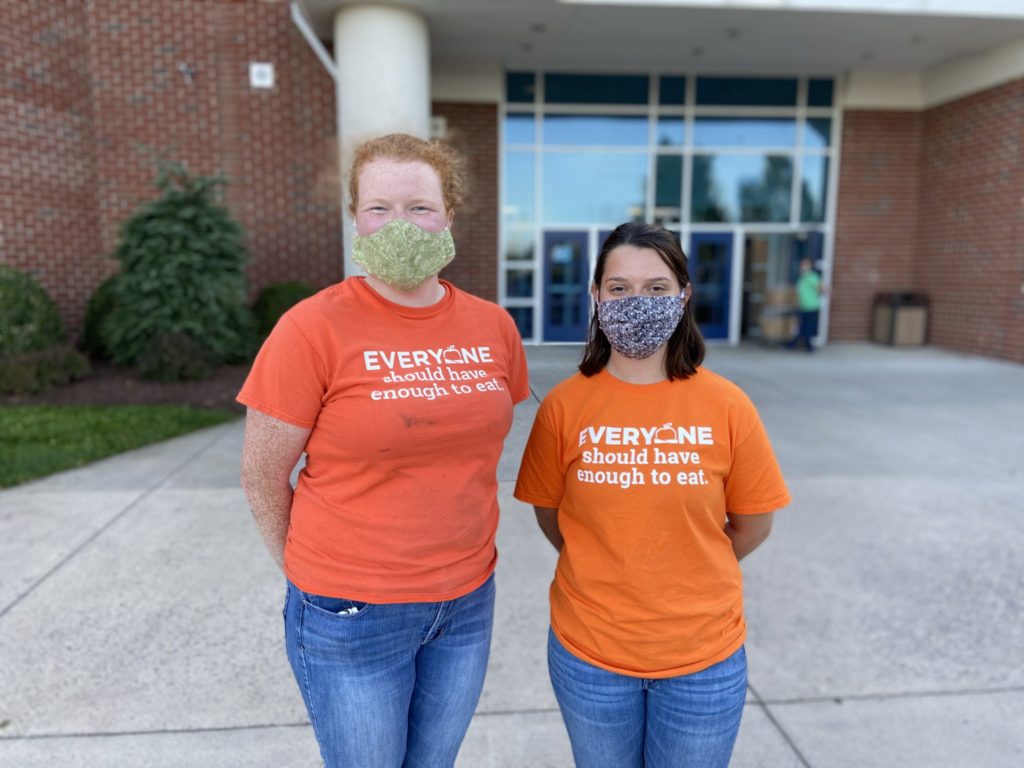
(271, 449)
(547, 519)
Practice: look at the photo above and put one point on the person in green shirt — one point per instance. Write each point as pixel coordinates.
(808, 302)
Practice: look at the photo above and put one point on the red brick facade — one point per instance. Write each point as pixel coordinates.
(933, 202)
(971, 234)
(473, 130)
(96, 93)
(877, 214)
(49, 187)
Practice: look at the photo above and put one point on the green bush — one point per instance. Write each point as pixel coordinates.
(175, 357)
(30, 372)
(275, 300)
(29, 320)
(181, 259)
(100, 305)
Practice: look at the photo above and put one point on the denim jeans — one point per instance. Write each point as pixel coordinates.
(389, 685)
(617, 721)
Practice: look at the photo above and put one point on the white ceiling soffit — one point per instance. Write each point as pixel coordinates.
(1009, 9)
(763, 36)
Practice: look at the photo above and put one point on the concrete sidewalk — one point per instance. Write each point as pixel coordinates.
(140, 616)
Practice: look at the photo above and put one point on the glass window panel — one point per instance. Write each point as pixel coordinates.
(819, 93)
(672, 91)
(602, 187)
(519, 245)
(621, 130)
(813, 188)
(744, 132)
(746, 91)
(524, 320)
(741, 188)
(519, 87)
(519, 283)
(668, 189)
(818, 132)
(520, 128)
(519, 186)
(595, 89)
(671, 132)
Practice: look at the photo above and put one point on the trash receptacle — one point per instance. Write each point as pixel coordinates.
(900, 319)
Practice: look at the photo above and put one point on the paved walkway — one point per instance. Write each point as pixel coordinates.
(140, 616)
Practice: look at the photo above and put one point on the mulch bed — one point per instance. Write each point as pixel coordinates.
(110, 385)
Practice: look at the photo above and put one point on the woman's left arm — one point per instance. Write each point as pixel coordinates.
(746, 532)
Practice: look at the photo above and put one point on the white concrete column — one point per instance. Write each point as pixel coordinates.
(383, 84)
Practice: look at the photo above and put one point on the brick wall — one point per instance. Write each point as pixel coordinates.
(48, 181)
(97, 95)
(971, 253)
(933, 202)
(876, 239)
(473, 130)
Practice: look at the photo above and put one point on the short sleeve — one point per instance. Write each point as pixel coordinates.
(755, 484)
(541, 480)
(288, 378)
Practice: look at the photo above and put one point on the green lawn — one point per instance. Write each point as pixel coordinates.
(37, 440)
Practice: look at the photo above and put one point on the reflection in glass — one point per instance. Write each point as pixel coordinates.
(741, 188)
(594, 187)
(519, 87)
(520, 128)
(524, 320)
(672, 91)
(744, 132)
(818, 132)
(518, 191)
(668, 189)
(813, 186)
(819, 93)
(767, 287)
(619, 130)
(746, 91)
(519, 283)
(671, 132)
(710, 274)
(595, 89)
(519, 245)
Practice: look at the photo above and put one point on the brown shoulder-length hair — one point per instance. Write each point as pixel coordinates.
(449, 164)
(685, 350)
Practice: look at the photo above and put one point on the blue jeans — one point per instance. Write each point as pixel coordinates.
(389, 685)
(617, 721)
(807, 330)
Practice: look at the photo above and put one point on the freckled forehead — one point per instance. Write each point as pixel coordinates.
(628, 262)
(387, 178)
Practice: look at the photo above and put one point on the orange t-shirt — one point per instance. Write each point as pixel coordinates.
(409, 408)
(647, 583)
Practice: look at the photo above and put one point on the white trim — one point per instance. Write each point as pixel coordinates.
(970, 74)
(1008, 9)
(686, 228)
(476, 83)
(301, 21)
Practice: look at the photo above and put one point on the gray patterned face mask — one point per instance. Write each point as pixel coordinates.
(403, 255)
(637, 325)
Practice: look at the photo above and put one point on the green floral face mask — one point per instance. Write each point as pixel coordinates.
(403, 255)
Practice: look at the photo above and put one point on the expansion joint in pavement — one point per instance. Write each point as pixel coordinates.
(107, 525)
(778, 726)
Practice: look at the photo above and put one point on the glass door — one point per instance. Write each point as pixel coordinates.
(566, 294)
(711, 273)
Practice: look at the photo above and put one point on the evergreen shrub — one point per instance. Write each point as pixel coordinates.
(275, 300)
(29, 319)
(181, 258)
